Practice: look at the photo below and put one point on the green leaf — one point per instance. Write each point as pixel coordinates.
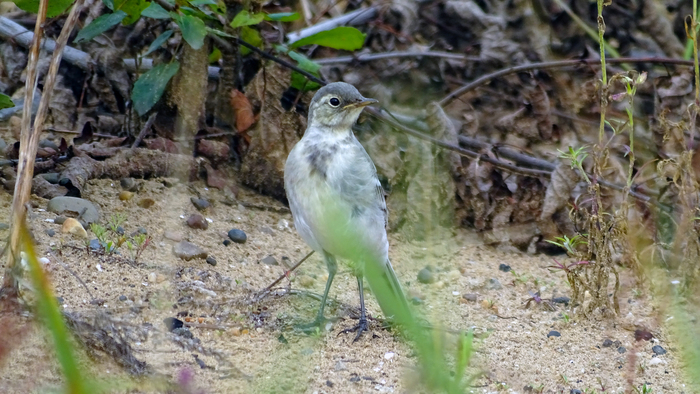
(344, 37)
(55, 7)
(99, 26)
(305, 63)
(251, 36)
(214, 56)
(6, 101)
(158, 42)
(150, 86)
(197, 3)
(245, 18)
(302, 83)
(193, 29)
(133, 8)
(155, 11)
(283, 16)
(109, 4)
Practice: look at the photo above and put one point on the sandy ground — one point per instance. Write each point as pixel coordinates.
(253, 347)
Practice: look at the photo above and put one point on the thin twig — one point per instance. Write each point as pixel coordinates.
(144, 130)
(556, 64)
(266, 290)
(27, 152)
(367, 57)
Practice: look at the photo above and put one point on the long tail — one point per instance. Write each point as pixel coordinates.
(387, 289)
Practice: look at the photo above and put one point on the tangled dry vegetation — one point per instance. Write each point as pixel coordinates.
(494, 116)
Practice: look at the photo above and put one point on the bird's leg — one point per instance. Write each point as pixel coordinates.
(320, 320)
(362, 326)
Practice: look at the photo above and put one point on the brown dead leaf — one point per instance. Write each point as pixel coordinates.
(243, 111)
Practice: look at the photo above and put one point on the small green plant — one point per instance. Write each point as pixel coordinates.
(564, 379)
(522, 279)
(115, 221)
(643, 389)
(570, 244)
(576, 157)
(565, 317)
(100, 232)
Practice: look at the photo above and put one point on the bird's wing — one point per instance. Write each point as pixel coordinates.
(358, 184)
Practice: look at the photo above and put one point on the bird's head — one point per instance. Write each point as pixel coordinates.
(337, 106)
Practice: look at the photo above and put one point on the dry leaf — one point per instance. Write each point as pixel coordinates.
(243, 111)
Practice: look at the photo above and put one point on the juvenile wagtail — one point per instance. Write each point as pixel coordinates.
(338, 203)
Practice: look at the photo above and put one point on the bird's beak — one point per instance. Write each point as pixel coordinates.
(361, 103)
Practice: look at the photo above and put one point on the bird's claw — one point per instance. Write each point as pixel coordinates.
(361, 327)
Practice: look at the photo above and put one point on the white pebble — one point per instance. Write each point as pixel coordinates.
(99, 267)
(389, 355)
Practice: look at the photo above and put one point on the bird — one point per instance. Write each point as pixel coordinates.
(338, 203)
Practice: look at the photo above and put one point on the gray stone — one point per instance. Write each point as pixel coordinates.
(170, 182)
(51, 177)
(173, 236)
(211, 261)
(200, 203)
(426, 276)
(188, 251)
(621, 349)
(84, 208)
(4, 226)
(122, 298)
(59, 219)
(658, 350)
(553, 334)
(95, 244)
(237, 236)
(50, 232)
(128, 184)
(269, 260)
(197, 221)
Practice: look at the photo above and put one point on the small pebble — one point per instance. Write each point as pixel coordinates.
(493, 284)
(50, 232)
(575, 391)
(200, 203)
(561, 300)
(72, 226)
(227, 242)
(607, 342)
(173, 236)
(51, 177)
(125, 195)
(59, 219)
(122, 298)
(237, 236)
(197, 221)
(4, 226)
(658, 350)
(621, 349)
(504, 267)
(172, 323)
(553, 334)
(269, 260)
(471, 297)
(146, 203)
(170, 182)
(188, 251)
(128, 184)
(211, 261)
(120, 230)
(426, 276)
(95, 244)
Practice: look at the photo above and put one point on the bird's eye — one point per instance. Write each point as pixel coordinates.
(334, 102)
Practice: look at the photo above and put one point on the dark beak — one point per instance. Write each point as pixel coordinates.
(361, 103)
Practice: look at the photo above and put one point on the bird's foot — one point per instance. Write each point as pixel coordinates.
(361, 327)
(315, 327)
